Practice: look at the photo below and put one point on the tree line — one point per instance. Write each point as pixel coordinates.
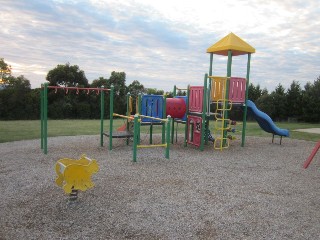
(19, 102)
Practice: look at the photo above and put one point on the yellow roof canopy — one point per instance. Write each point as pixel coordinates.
(231, 42)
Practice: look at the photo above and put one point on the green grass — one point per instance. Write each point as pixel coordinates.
(24, 130)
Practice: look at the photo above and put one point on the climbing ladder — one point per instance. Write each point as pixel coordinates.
(223, 106)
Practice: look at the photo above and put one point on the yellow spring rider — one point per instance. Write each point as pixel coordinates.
(75, 174)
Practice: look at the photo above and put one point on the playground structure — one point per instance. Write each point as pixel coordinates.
(193, 110)
(224, 92)
(75, 174)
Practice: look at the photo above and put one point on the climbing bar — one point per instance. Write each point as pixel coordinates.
(154, 118)
(151, 146)
(217, 77)
(123, 116)
(79, 88)
(184, 89)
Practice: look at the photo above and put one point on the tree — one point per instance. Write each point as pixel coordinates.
(94, 99)
(136, 88)
(154, 91)
(67, 75)
(98, 83)
(311, 101)
(18, 83)
(279, 102)
(5, 70)
(118, 80)
(17, 100)
(254, 92)
(265, 104)
(294, 100)
(181, 93)
(264, 92)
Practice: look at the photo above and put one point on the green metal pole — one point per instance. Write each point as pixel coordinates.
(139, 111)
(139, 103)
(101, 115)
(168, 136)
(245, 103)
(135, 137)
(207, 110)
(172, 126)
(128, 114)
(111, 116)
(151, 129)
(164, 114)
(226, 115)
(204, 112)
(211, 61)
(186, 125)
(210, 90)
(41, 114)
(45, 118)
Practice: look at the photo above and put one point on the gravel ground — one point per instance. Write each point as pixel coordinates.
(260, 191)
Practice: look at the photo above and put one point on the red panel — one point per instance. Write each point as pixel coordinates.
(194, 130)
(237, 90)
(196, 99)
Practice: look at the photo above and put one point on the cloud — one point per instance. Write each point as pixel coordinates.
(161, 43)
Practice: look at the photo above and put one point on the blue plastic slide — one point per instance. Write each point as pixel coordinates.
(264, 121)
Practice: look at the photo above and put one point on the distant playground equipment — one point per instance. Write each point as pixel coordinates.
(313, 153)
(74, 175)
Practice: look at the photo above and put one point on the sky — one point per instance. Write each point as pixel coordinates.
(161, 43)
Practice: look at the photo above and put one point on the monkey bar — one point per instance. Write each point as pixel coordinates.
(44, 108)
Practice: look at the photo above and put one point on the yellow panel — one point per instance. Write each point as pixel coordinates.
(231, 42)
(218, 87)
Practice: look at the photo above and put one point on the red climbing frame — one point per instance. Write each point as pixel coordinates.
(313, 153)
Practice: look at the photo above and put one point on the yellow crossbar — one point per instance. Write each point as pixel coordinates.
(151, 146)
(123, 116)
(218, 77)
(182, 88)
(160, 119)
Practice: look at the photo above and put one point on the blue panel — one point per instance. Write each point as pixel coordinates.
(152, 106)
